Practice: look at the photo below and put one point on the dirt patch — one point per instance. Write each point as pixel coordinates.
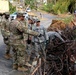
(57, 24)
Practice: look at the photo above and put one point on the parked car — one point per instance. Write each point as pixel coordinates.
(28, 10)
(14, 15)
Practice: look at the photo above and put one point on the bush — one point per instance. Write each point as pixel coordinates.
(61, 7)
(67, 20)
(12, 8)
(31, 3)
(72, 6)
(48, 7)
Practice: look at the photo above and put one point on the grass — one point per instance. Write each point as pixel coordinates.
(67, 19)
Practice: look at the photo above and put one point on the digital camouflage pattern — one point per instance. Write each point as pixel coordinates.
(29, 44)
(39, 42)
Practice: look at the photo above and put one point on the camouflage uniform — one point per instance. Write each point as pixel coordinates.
(5, 33)
(39, 42)
(53, 34)
(0, 20)
(29, 44)
(17, 40)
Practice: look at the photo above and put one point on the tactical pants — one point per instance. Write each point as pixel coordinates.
(29, 48)
(8, 47)
(38, 49)
(19, 54)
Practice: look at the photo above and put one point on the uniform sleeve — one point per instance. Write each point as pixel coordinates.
(45, 34)
(24, 29)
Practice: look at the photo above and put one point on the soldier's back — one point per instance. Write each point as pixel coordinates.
(15, 27)
(5, 27)
(16, 35)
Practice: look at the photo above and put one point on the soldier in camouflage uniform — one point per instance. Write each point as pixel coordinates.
(24, 22)
(18, 42)
(39, 42)
(5, 33)
(30, 26)
(0, 19)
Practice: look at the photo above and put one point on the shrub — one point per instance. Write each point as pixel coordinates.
(31, 3)
(67, 20)
(12, 8)
(61, 7)
(48, 7)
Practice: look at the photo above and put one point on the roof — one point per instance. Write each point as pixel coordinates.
(4, 6)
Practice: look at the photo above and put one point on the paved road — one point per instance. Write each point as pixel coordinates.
(6, 65)
(46, 18)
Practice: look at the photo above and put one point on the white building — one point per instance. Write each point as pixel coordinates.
(42, 1)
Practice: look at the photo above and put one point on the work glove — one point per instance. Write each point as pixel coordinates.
(40, 35)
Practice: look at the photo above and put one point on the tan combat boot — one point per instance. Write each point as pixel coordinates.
(27, 64)
(7, 56)
(28, 59)
(15, 66)
(22, 69)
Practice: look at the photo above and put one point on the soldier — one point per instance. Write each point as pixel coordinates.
(29, 43)
(18, 42)
(5, 33)
(31, 27)
(0, 19)
(41, 39)
(53, 34)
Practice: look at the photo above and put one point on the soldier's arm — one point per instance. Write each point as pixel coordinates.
(25, 29)
(45, 34)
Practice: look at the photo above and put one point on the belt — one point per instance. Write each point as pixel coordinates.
(16, 36)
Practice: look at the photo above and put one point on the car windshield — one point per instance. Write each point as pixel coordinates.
(15, 13)
(25, 13)
(28, 8)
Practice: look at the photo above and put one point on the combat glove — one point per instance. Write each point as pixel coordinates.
(40, 35)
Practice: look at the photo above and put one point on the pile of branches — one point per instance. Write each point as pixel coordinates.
(59, 57)
(63, 53)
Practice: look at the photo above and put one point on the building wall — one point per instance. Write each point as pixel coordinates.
(4, 6)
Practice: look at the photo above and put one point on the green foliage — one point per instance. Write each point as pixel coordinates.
(48, 7)
(67, 20)
(12, 8)
(61, 6)
(72, 6)
(31, 3)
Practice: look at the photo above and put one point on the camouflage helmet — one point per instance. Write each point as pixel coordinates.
(30, 18)
(7, 14)
(37, 20)
(20, 14)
